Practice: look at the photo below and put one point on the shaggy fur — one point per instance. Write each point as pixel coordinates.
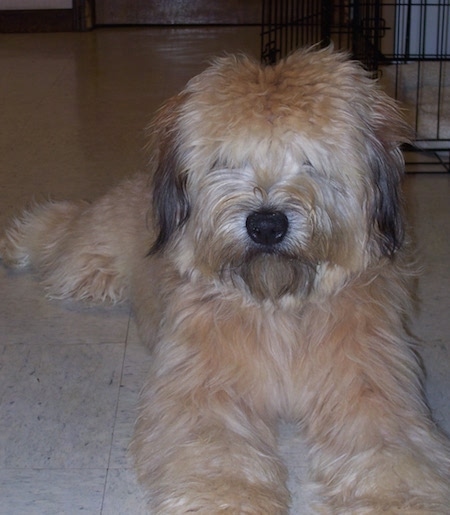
(263, 254)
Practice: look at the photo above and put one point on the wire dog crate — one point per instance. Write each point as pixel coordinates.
(406, 43)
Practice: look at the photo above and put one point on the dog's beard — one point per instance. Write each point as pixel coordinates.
(271, 276)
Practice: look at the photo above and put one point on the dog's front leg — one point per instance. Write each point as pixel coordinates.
(374, 447)
(206, 453)
(200, 446)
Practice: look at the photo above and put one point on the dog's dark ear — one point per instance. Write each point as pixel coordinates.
(170, 199)
(387, 209)
(387, 168)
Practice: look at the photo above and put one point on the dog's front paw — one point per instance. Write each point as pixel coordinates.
(227, 497)
(390, 483)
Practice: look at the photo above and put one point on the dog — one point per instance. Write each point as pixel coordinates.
(264, 255)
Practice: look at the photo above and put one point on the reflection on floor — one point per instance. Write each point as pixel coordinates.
(73, 109)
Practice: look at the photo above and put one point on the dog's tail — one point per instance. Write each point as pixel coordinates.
(29, 238)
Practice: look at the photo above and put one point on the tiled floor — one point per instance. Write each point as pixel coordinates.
(72, 110)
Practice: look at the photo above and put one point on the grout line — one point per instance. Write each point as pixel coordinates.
(108, 466)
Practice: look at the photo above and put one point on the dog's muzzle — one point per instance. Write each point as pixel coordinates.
(267, 227)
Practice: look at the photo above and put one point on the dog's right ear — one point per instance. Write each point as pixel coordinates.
(170, 199)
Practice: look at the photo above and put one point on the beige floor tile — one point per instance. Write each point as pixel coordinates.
(58, 404)
(27, 316)
(51, 492)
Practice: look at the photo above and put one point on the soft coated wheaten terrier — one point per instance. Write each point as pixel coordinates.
(263, 254)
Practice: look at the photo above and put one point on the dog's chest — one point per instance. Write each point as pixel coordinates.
(265, 351)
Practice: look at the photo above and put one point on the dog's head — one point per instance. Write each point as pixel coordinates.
(274, 178)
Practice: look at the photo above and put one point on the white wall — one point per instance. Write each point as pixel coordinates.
(11, 5)
(429, 28)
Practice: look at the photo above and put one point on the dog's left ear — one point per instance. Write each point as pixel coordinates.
(170, 199)
(387, 167)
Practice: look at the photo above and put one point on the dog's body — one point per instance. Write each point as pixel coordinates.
(270, 283)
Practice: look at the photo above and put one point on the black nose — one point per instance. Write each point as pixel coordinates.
(267, 227)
